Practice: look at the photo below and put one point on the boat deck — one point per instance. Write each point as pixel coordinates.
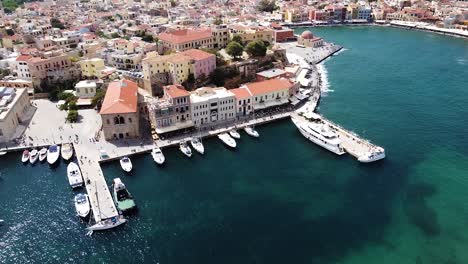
(352, 143)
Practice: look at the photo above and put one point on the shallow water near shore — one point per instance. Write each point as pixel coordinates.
(282, 199)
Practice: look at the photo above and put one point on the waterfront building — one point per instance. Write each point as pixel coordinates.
(211, 106)
(172, 111)
(281, 34)
(119, 111)
(296, 15)
(244, 105)
(365, 12)
(271, 74)
(92, 68)
(251, 33)
(175, 68)
(85, 89)
(270, 93)
(308, 39)
(14, 106)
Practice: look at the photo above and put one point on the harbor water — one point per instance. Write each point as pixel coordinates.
(280, 198)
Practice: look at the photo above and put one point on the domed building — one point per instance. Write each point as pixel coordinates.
(309, 40)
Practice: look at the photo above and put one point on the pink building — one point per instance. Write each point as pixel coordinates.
(204, 62)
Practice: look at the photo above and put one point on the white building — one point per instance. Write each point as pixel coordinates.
(14, 105)
(270, 93)
(365, 12)
(85, 89)
(210, 106)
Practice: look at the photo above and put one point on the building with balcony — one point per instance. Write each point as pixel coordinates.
(212, 106)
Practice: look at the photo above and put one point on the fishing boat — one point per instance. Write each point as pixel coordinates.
(67, 151)
(33, 156)
(185, 149)
(42, 154)
(53, 154)
(197, 145)
(108, 223)
(251, 132)
(74, 175)
(234, 134)
(25, 156)
(126, 164)
(158, 156)
(228, 140)
(82, 206)
(122, 197)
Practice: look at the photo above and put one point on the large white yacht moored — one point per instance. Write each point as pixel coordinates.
(158, 156)
(320, 134)
(74, 175)
(184, 148)
(197, 145)
(227, 139)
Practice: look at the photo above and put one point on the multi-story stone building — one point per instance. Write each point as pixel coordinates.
(184, 39)
(14, 105)
(119, 111)
(251, 33)
(92, 68)
(211, 106)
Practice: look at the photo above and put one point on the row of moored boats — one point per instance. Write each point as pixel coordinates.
(51, 154)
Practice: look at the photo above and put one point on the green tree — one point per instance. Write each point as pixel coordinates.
(267, 6)
(256, 48)
(217, 77)
(56, 23)
(72, 116)
(98, 97)
(115, 35)
(218, 21)
(234, 49)
(237, 39)
(147, 38)
(173, 3)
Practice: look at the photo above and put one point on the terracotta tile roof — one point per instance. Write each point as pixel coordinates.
(198, 54)
(241, 93)
(175, 91)
(185, 35)
(268, 86)
(121, 98)
(23, 58)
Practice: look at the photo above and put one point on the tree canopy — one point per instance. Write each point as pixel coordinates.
(237, 39)
(56, 23)
(256, 48)
(234, 49)
(267, 6)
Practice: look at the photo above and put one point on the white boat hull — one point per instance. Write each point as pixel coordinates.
(24, 157)
(186, 150)
(158, 156)
(42, 154)
(251, 132)
(234, 134)
(75, 179)
(371, 158)
(33, 156)
(228, 140)
(309, 136)
(52, 157)
(107, 224)
(198, 146)
(67, 151)
(83, 209)
(126, 166)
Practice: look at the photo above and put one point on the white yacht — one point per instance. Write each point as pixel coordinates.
(251, 132)
(74, 175)
(25, 156)
(197, 145)
(53, 154)
(374, 155)
(108, 223)
(158, 156)
(42, 154)
(227, 139)
(234, 134)
(126, 164)
(82, 206)
(185, 149)
(320, 134)
(67, 151)
(33, 156)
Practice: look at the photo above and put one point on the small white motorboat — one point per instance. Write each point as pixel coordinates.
(33, 156)
(3, 153)
(234, 134)
(67, 151)
(251, 132)
(74, 175)
(158, 156)
(197, 145)
(42, 154)
(228, 140)
(185, 149)
(25, 156)
(126, 164)
(53, 154)
(108, 223)
(82, 206)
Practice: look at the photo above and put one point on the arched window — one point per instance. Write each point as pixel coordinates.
(130, 120)
(116, 120)
(122, 120)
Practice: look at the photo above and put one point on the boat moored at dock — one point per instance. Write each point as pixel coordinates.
(184, 148)
(234, 134)
(126, 164)
(25, 156)
(197, 145)
(108, 223)
(158, 156)
(122, 197)
(53, 154)
(82, 205)
(67, 151)
(75, 178)
(33, 156)
(375, 154)
(251, 132)
(227, 139)
(42, 154)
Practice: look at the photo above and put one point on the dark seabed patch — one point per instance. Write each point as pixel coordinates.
(417, 210)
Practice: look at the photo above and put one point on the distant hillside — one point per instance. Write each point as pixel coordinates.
(11, 5)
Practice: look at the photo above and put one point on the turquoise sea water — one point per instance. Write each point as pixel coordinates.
(281, 199)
